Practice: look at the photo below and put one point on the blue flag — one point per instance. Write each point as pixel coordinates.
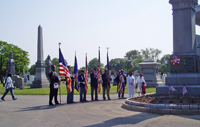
(76, 74)
(108, 68)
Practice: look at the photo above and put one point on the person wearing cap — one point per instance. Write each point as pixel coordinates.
(94, 84)
(54, 82)
(123, 81)
(139, 81)
(70, 95)
(131, 84)
(81, 79)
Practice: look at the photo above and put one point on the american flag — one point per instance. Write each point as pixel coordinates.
(64, 71)
(184, 90)
(86, 74)
(171, 88)
(98, 74)
(120, 78)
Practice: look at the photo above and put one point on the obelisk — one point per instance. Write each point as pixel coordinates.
(40, 80)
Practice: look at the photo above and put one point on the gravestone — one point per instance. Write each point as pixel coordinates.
(187, 72)
(149, 69)
(40, 80)
(19, 82)
(11, 64)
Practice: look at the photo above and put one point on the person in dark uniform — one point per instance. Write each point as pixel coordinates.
(105, 78)
(71, 94)
(81, 79)
(94, 84)
(54, 82)
(123, 80)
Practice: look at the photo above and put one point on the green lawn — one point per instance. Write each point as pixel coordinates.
(45, 91)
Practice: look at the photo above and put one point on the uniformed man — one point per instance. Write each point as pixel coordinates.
(123, 81)
(54, 82)
(94, 84)
(106, 78)
(81, 79)
(71, 94)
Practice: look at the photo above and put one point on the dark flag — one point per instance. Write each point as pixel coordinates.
(76, 74)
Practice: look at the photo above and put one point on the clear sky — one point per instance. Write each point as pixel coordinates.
(84, 25)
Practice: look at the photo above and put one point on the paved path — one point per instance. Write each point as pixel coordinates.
(33, 111)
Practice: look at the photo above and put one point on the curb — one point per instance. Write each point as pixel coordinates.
(172, 109)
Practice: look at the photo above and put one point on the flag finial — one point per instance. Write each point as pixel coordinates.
(59, 44)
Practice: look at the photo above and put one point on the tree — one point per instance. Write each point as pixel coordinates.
(132, 58)
(32, 69)
(165, 64)
(150, 54)
(114, 65)
(20, 58)
(94, 64)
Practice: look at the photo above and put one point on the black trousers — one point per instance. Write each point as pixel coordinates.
(92, 92)
(53, 93)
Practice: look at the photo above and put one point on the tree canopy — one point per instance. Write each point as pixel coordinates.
(20, 58)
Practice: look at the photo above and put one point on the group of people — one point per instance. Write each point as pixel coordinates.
(54, 81)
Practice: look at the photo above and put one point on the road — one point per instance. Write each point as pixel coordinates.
(34, 111)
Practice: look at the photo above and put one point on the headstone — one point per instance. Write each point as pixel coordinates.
(11, 64)
(40, 80)
(184, 46)
(48, 66)
(19, 82)
(150, 73)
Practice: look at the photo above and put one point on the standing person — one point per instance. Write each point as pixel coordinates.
(54, 82)
(131, 84)
(143, 88)
(139, 81)
(123, 81)
(9, 87)
(81, 79)
(105, 78)
(71, 94)
(94, 84)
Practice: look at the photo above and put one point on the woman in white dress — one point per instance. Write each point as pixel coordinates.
(139, 81)
(131, 84)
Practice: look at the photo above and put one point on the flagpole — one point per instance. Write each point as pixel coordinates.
(58, 73)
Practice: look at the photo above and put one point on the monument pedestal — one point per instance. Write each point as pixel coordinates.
(40, 80)
(192, 90)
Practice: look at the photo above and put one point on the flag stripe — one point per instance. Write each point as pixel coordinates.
(64, 71)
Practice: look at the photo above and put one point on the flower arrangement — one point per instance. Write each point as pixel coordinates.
(160, 101)
(181, 101)
(171, 101)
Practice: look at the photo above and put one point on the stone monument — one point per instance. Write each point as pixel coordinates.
(40, 80)
(11, 64)
(187, 72)
(18, 82)
(48, 66)
(150, 73)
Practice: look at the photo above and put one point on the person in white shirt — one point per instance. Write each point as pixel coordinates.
(139, 81)
(9, 87)
(131, 84)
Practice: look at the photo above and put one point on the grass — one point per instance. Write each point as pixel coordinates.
(45, 91)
